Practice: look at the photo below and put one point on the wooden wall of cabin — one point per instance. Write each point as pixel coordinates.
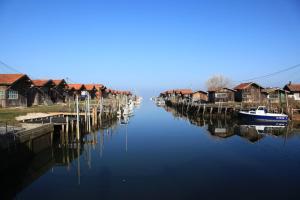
(221, 95)
(21, 87)
(251, 95)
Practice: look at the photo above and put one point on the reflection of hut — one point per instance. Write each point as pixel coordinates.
(221, 95)
(220, 130)
(249, 132)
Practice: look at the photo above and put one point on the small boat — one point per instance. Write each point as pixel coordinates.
(261, 114)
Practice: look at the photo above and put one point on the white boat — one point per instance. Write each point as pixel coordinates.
(261, 114)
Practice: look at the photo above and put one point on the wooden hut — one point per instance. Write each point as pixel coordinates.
(221, 95)
(42, 92)
(100, 90)
(60, 91)
(183, 94)
(249, 92)
(91, 89)
(75, 89)
(274, 95)
(200, 96)
(14, 89)
(294, 90)
(109, 93)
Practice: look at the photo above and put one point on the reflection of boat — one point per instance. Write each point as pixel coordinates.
(261, 114)
(267, 128)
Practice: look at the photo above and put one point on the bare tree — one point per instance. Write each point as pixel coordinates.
(217, 81)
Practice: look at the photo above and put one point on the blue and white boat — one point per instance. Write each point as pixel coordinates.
(261, 114)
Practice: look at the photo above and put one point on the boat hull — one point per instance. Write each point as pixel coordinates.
(264, 118)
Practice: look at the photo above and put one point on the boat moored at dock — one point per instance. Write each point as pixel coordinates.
(261, 114)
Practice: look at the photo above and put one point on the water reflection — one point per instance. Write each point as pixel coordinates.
(221, 126)
(21, 167)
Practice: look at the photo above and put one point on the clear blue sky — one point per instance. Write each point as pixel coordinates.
(151, 44)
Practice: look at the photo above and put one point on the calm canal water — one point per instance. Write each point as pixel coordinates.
(160, 156)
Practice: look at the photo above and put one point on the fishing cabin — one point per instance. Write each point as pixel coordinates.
(294, 90)
(274, 95)
(200, 96)
(14, 89)
(60, 91)
(221, 95)
(183, 94)
(109, 93)
(249, 93)
(75, 89)
(41, 93)
(91, 89)
(100, 90)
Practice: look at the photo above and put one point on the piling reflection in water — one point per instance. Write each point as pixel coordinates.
(21, 166)
(222, 126)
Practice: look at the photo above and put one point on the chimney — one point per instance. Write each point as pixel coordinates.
(290, 82)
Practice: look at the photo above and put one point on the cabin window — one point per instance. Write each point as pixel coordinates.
(245, 95)
(2, 94)
(273, 96)
(13, 94)
(221, 95)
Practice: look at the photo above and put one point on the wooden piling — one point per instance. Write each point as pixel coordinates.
(77, 121)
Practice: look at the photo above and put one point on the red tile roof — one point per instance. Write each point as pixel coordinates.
(76, 86)
(243, 86)
(200, 91)
(40, 83)
(9, 79)
(58, 81)
(218, 89)
(293, 87)
(90, 87)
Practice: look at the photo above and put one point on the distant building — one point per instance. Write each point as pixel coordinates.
(221, 95)
(14, 90)
(249, 92)
(200, 96)
(294, 90)
(183, 94)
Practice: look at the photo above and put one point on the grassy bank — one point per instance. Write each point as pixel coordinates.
(8, 114)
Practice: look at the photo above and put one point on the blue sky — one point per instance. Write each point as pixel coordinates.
(152, 44)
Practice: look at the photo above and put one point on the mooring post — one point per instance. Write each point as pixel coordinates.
(67, 124)
(51, 138)
(89, 113)
(77, 121)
